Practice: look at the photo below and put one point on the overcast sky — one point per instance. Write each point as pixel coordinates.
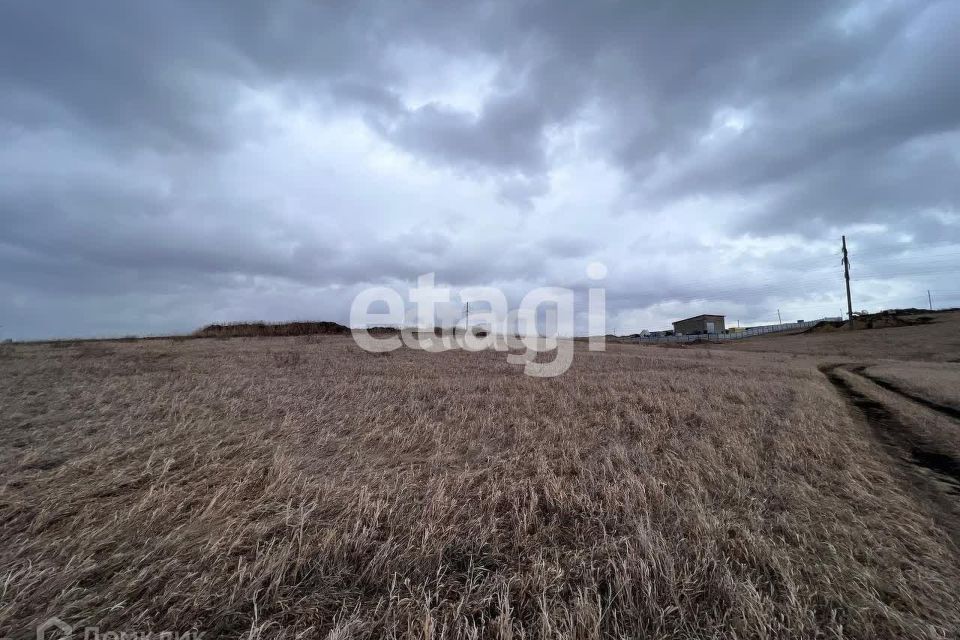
(164, 165)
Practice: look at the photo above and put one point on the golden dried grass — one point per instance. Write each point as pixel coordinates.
(282, 488)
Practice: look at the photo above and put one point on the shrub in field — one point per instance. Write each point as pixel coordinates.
(265, 329)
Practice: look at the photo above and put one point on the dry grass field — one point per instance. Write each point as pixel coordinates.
(300, 487)
(936, 342)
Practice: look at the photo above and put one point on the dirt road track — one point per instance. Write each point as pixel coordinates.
(950, 412)
(934, 474)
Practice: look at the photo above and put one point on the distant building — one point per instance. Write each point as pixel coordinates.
(700, 324)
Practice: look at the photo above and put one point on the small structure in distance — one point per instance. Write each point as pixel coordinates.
(697, 325)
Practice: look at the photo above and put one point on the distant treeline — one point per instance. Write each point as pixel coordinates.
(265, 329)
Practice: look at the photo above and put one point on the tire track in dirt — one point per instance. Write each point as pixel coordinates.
(950, 412)
(933, 475)
(894, 433)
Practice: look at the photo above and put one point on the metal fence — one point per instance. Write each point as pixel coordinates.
(735, 334)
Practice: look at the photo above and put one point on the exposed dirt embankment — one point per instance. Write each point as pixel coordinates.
(883, 320)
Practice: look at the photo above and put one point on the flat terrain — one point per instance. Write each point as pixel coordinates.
(300, 487)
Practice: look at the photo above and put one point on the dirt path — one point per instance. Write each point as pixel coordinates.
(950, 412)
(933, 474)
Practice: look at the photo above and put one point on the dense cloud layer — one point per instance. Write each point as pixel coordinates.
(164, 165)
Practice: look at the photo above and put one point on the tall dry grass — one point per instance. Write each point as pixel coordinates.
(283, 488)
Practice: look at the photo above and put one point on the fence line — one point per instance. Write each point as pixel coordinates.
(731, 334)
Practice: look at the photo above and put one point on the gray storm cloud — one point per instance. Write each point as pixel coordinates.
(164, 165)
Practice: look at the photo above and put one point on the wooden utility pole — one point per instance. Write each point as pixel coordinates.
(846, 277)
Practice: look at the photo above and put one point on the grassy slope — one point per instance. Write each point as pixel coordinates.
(936, 342)
(276, 486)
